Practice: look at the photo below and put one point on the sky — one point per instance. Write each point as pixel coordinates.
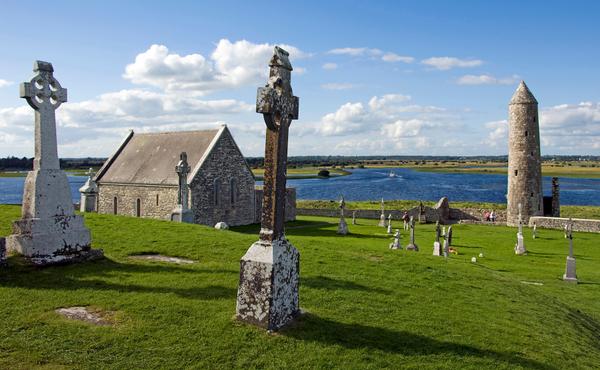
(373, 77)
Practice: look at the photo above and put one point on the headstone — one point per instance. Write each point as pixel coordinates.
(473, 259)
(396, 243)
(182, 212)
(520, 246)
(221, 226)
(449, 236)
(412, 246)
(565, 228)
(89, 194)
(382, 216)
(389, 224)
(49, 231)
(534, 231)
(342, 226)
(269, 271)
(422, 216)
(447, 241)
(570, 274)
(353, 217)
(481, 255)
(2, 251)
(437, 248)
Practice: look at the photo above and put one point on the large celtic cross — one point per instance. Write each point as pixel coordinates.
(44, 94)
(279, 107)
(182, 169)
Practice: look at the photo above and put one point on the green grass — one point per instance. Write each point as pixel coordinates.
(367, 306)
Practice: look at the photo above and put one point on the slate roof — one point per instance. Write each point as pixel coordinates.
(150, 158)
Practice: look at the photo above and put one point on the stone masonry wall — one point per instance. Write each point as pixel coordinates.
(155, 201)
(524, 163)
(211, 205)
(579, 224)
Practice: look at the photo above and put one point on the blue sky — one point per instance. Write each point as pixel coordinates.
(385, 77)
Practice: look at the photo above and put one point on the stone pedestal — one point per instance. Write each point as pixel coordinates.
(89, 194)
(381, 221)
(570, 273)
(437, 249)
(520, 246)
(342, 227)
(179, 214)
(268, 290)
(50, 232)
(412, 247)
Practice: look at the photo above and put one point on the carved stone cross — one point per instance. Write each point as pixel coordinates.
(342, 206)
(182, 169)
(279, 107)
(44, 94)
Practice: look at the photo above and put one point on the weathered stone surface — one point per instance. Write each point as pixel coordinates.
(396, 243)
(437, 249)
(161, 258)
(49, 231)
(524, 157)
(412, 246)
(570, 274)
(520, 246)
(555, 197)
(221, 226)
(290, 203)
(85, 314)
(443, 208)
(89, 194)
(182, 213)
(558, 223)
(269, 271)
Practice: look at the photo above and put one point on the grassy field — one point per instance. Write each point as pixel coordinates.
(566, 211)
(366, 306)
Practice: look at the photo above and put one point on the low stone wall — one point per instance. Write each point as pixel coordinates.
(476, 214)
(579, 224)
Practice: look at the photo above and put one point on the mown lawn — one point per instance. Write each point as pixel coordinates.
(366, 306)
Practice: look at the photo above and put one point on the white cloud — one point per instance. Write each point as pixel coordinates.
(355, 51)
(385, 101)
(445, 63)
(230, 65)
(330, 66)
(347, 119)
(487, 79)
(392, 57)
(337, 86)
(5, 83)
(498, 134)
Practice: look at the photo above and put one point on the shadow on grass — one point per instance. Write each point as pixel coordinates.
(585, 324)
(324, 282)
(100, 275)
(310, 228)
(310, 327)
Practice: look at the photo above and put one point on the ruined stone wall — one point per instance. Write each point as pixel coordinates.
(579, 224)
(524, 163)
(211, 189)
(290, 203)
(155, 201)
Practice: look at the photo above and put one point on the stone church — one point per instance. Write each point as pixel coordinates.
(140, 180)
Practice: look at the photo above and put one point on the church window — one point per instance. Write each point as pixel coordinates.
(157, 199)
(115, 209)
(216, 192)
(232, 191)
(516, 172)
(525, 133)
(138, 207)
(532, 195)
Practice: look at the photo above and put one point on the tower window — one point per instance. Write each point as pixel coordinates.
(157, 199)
(532, 195)
(516, 172)
(138, 207)
(525, 133)
(532, 154)
(115, 205)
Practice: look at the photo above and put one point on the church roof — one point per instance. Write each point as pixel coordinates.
(150, 158)
(523, 95)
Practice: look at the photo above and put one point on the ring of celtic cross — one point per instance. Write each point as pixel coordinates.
(43, 92)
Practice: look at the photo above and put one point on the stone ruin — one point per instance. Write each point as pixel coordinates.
(49, 231)
(269, 271)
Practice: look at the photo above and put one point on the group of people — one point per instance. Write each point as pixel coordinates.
(489, 216)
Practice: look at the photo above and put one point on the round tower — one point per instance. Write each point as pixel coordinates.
(524, 158)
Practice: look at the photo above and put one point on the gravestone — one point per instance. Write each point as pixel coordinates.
(269, 271)
(437, 248)
(447, 241)
(449, 235)
(353, 217)
(412, 246)
(342, 226)
(520, 246)
(182, 212)
(49, 231)
(422, 216)
(534, 231)
(389, 224)
(89, 194)
(570, 274)
(382, 216)
(396, 243)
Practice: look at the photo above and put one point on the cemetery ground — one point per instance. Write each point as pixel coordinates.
(365, 306)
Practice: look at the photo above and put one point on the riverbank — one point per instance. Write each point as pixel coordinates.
(305, 172)
(587, 212)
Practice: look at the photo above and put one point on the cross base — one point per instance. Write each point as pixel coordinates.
(268, 290)
(520, 246)
(570, 272)
(182, 215)
(342, 227)
(437, 249)
(412, 247)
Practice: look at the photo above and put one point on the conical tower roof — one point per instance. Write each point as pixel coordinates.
(523, 95)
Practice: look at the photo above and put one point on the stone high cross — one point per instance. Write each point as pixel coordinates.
(570, 274)
(279, 107)
(182, 169)
(270, 269)
(342, 206)
(44, 94)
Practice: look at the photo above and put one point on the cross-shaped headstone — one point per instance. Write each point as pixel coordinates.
(279, 107)
(182, 169)
(44, 94)
(570, 236)
(90, 172)
(342, 206)
(437, 231)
